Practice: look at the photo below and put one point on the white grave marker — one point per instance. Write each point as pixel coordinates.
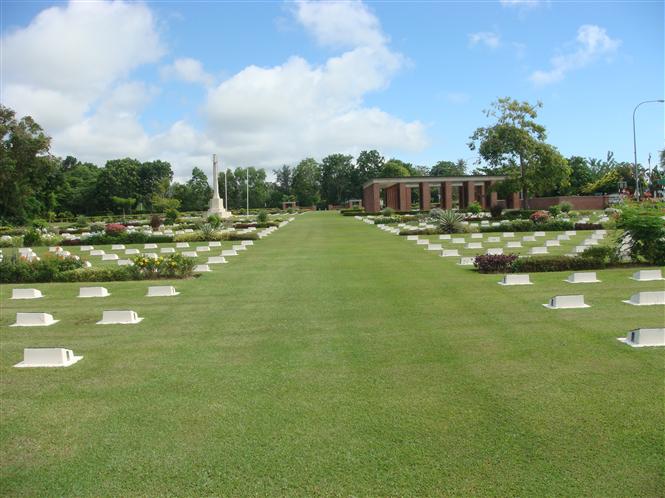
(93, 292)
(124, 317)
(516, 279)
(34, 320)
(47, 357)
(26, 294)
(566, 302)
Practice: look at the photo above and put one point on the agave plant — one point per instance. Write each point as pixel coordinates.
(450, 221)
(207, 230)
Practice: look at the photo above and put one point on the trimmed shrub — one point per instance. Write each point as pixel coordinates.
(386, 220)
(114, 229)
(172, 266)
(171, 216)
(556, 263)
(262, 216)
(495, 263)
(588, 226)
(419, 231)
(474, 208)
(496, 211)
(155, 221)
(566, 207)
(514, 214)
(16, 270)
(644, 233)
(554, 210)
(540, 216)
(32, 238)
(387, 211)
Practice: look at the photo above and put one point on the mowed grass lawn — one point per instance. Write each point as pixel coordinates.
(334, 359)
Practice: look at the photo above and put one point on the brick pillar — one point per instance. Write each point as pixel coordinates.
(372, 198)
(446, 195)
(425, 196)
(491, 196)
(469, 193)
(404, 197)
(514, 199)
(392, 197)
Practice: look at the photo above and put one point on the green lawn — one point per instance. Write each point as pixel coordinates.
(334, 359)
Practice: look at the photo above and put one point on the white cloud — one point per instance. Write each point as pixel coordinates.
(487, 38)
(69, 56)
(189, 70)
(280, 114)
(592, 42)
(79, 89)
(341, 23)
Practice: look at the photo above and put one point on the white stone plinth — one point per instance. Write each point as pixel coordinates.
(515, 279)
(34, 320)
(93, 292)
(582, 278)
(640, 338)
(124, 317)
(26, 294)
(647, 298)
(47, 357)
(647, 275)
(449, 253)
(201, 268)
(567, 302)
(161, 291)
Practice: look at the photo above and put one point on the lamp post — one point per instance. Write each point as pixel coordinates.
(637, 175)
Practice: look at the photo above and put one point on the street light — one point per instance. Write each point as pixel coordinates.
(637, 176)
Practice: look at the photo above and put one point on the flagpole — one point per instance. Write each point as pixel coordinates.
(248, 191)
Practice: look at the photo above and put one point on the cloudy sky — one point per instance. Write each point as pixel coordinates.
(269, 83)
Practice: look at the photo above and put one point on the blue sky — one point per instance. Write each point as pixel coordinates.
(267, 83)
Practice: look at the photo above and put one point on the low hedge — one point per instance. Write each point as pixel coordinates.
(530, 226)
(57, 269)
(495, 263)
(101, 238)
(420, 231)
(556, 263)
(588, 226)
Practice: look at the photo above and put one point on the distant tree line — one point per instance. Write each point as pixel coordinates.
(34, 183)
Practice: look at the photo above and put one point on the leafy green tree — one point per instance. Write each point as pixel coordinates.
(195, 194)
(154, 178)
(336, 178)
(77, 192)
(25, 166)
(283, 177)
(449, 168)
(395, 168)
(580, 175)
(118, 178)
(305, 184)
(369, 164)
(515, 145)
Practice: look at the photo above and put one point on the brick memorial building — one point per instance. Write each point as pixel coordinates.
(463, 190)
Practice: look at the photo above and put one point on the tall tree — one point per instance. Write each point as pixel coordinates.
(369, 164)
(195, 194)
(515, 145)
(449, 168)
(305, 184)
(118, 178)
(336, 178)
(25, 166)
(395, 168)
(154, 178)
(283, 177)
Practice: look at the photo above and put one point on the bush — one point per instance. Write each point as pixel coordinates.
(32, 238)
(566, 207)
(155, 222)
(603, 254)
(514, 214)
(81, 221)
(490, 263)
(436, 213)
(556, 263)
(171, 216)
(450, 221)
(114, 229)
(419, 231)
(644, 233)
(172, 266)
(39, 223)
(554, 210)
(540, 216)
(214, 221)
(17, 270)
(262, 216)
(496, 211)
(474, 208)
(388, 211)
(588, 226)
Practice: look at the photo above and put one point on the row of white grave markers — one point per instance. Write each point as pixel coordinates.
(637, 338)
(61, 357)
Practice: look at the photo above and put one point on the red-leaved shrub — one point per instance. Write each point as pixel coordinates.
(115, 228)
(540, 216)
(494, 263)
